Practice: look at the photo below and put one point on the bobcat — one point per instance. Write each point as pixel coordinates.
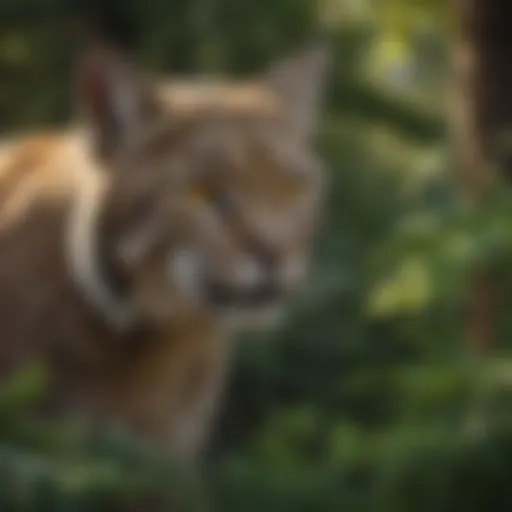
(134, 244)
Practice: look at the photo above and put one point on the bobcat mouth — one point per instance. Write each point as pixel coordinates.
(223, 295)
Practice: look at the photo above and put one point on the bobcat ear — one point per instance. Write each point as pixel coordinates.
(299, 82)
(111, 97)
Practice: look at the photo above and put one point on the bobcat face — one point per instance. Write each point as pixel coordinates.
(216, 186)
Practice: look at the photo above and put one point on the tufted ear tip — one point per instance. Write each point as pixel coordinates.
(299, 81)
(318, 58)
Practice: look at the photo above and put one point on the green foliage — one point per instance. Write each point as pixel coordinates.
(59, 467)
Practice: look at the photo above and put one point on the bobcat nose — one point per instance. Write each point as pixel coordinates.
(282, 269)
(258, 277)
(253, 281)
(248, 273)
(267, 268)
(253, 275)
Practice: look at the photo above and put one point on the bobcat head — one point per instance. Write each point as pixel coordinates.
(213, 190)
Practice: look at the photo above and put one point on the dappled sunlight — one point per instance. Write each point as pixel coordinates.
(407, 290)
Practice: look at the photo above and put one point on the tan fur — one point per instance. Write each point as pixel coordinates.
(141, 382)
(149, 356)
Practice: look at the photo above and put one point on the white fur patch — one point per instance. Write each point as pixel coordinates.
(82, 245)
(184, 269)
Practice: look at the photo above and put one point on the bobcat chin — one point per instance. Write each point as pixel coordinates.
(130, 242)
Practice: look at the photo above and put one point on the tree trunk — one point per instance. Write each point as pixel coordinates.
(483, 116)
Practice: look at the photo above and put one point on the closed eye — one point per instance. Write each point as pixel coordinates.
(213, 197)
(199, 196)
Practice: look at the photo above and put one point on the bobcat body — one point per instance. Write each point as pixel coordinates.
(130, 243)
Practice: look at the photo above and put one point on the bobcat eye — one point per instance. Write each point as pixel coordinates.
(200, 196)
(215, 198)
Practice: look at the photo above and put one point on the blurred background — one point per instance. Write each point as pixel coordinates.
(389, 388)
